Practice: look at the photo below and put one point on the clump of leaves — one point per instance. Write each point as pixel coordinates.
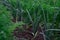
(6, 24)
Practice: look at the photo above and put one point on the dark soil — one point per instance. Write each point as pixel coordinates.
(27, 34)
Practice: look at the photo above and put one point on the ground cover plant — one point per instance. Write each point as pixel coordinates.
(29, 19)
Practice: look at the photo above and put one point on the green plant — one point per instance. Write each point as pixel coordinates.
(34, 12)
(6, 25)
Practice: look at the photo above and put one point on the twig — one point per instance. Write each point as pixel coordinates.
(52, 30)
(44, 35)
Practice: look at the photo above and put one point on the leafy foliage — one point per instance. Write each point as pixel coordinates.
(32, 12)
